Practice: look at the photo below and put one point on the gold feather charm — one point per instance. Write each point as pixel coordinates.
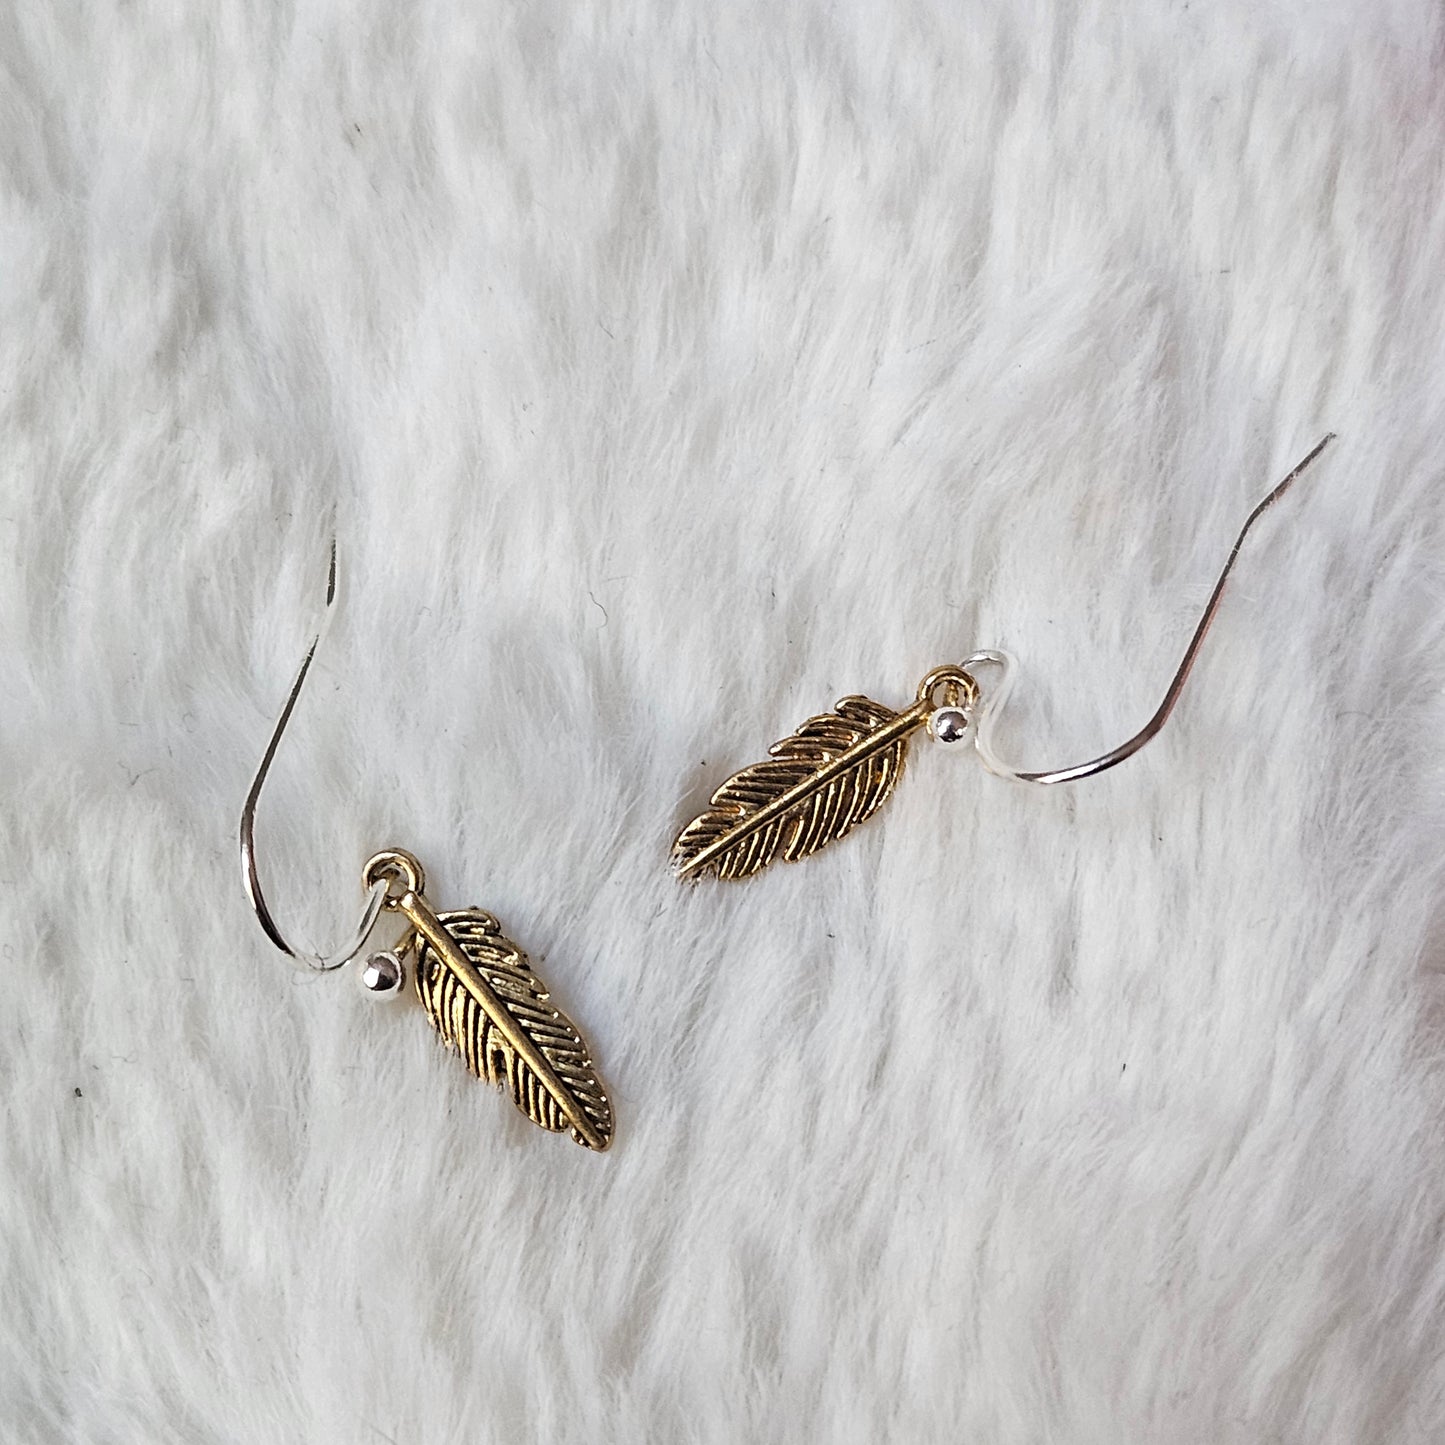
(820, 782)
(485, 1001)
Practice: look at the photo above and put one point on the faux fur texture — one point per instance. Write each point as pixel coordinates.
(670, 371)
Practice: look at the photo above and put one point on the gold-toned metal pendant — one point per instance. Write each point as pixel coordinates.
(838, 769)
(485, 1001)
(820, 782)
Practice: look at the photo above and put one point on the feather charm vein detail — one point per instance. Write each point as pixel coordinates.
(816, 786)
(485, 1001)
(820, 782)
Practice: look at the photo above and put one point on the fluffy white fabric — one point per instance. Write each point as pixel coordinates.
(671, 371)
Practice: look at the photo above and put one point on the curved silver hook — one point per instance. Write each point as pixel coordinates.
(992, 703)
(376, 895)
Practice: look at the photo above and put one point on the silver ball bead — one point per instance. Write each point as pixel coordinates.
(949, 725)
(383, 975)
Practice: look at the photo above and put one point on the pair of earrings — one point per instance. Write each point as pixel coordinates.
(479, 990)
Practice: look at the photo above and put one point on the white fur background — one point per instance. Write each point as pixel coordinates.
(671, 370)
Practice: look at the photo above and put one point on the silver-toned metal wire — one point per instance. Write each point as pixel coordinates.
(376, 894)
(992, 700)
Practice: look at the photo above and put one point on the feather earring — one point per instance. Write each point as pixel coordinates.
(838, 769)
(477, 988)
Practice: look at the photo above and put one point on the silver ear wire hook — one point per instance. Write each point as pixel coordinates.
(992, 701)
(376, 895)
